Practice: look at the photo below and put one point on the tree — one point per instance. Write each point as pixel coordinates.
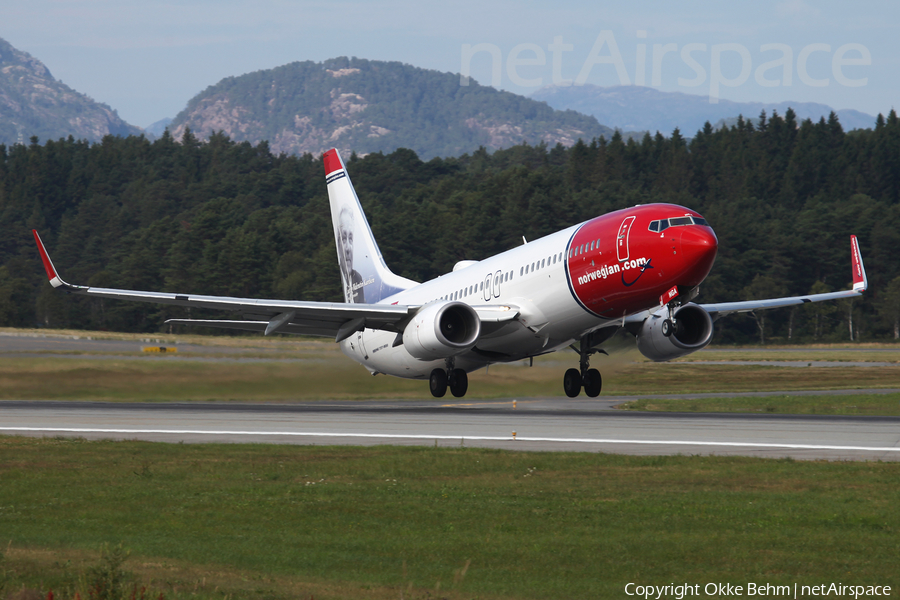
(889, 306)
(762, 287)
(821, 311)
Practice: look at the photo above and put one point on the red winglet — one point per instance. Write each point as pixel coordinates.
(45, 258)
(332, 161)
(860, 282)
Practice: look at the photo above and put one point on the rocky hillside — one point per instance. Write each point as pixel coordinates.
(370, 106)
(33, 103)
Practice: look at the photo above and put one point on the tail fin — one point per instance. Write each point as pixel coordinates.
(366, 278)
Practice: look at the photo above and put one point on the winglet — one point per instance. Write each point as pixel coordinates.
(860, 282)
(52, 275)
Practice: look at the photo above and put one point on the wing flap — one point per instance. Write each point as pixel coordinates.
(309, 318)
(257, 326)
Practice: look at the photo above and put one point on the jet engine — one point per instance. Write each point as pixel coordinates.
(693, 331)
(441, 330)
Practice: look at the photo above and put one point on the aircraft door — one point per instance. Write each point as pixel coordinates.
(497, 279)
(487, 287)
(622, 238)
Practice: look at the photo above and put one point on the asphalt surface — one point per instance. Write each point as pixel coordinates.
(530, 424)
(539, 424)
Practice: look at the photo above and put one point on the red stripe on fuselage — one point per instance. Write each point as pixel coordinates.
(609, 285)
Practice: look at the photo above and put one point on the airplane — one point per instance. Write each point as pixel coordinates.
(635, 270)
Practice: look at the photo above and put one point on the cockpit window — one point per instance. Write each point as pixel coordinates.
(663, 224)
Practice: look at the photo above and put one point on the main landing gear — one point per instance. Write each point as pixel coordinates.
(585, 377)
(455, 379)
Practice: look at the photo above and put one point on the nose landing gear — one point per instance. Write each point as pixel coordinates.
(585, 377)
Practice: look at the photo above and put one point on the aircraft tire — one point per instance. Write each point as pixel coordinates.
(459, 383)
(667, 328)
(593, 383)
(572, 383)
(437, 383)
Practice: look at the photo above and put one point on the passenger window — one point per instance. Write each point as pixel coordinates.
(521, 270)
(554, 259)
(592, 244)
(542, 264)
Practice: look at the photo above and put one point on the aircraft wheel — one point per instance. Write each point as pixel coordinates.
(459, 382)
(572, 382)
(592, 383)
(667, 328)
(438, 383)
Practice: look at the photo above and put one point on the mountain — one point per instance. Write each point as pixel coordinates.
(155, 130)
(637, 108)
(370, 106)
(33, 103)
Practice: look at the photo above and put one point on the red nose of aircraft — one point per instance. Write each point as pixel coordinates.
(698, 250)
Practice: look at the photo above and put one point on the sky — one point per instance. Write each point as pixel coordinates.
(147, 58)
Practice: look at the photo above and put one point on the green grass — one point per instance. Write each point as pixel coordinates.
(336, 377)
(855, 404)
(321, 372)
(342, 522)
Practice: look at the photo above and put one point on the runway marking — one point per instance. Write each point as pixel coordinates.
(456, 437)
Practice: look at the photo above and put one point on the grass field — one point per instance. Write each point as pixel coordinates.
(254, 521)
(307, 370)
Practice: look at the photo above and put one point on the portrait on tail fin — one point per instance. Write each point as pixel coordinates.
(365, 277)
(354, 286)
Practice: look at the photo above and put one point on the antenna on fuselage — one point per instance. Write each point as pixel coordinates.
(524, 241)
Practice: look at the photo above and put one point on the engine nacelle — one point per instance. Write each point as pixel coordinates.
(693, 331)
(442, 330)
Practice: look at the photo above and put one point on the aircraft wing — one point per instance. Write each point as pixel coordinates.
(860, 283)
(329, 319)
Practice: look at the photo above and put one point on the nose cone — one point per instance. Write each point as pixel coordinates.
(699, 246)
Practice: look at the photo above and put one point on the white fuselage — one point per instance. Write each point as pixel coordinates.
(531, 277)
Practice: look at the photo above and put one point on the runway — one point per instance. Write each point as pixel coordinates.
(539, 424)
(545, 424)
